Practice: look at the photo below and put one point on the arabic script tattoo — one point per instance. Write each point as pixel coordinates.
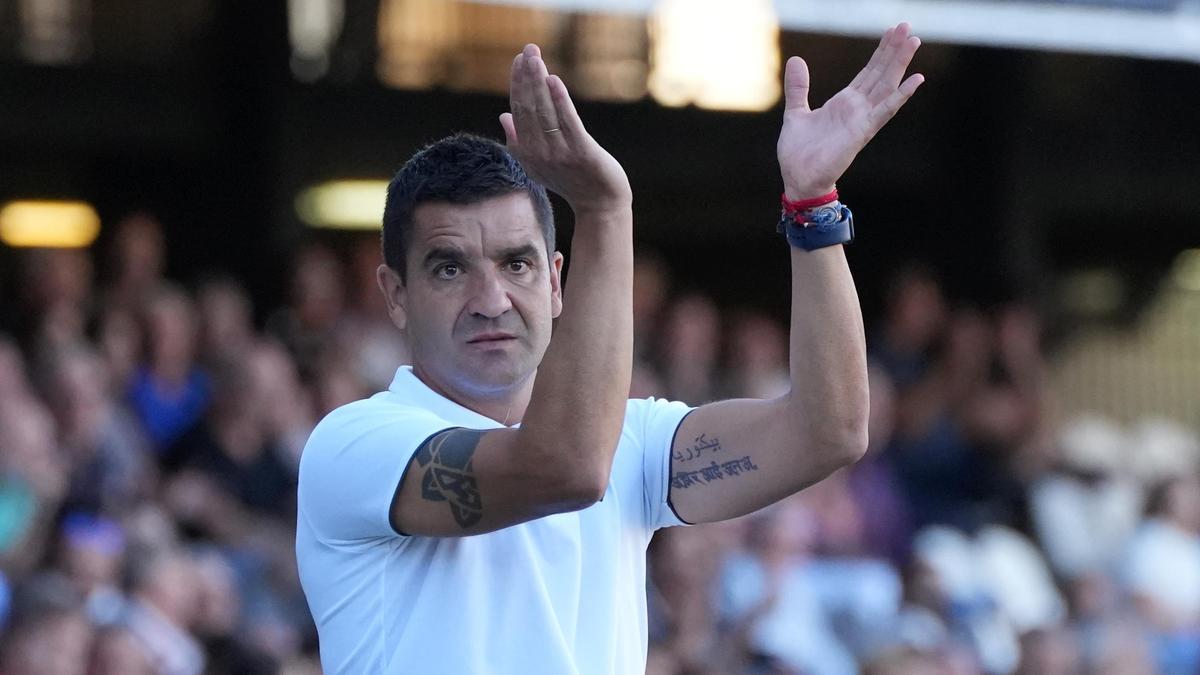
(695, 450)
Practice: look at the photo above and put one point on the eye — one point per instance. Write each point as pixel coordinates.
(447, 271)
(518, 266)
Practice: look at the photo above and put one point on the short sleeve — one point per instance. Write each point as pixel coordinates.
(353, 463)
(659, 421)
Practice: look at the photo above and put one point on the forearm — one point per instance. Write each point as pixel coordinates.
(828, 364)
(579, 397)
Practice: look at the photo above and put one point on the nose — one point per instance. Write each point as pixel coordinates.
(489, 297)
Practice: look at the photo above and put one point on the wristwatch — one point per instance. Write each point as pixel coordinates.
(823, 226)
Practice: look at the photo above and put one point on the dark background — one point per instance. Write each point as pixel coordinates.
(1008, 169)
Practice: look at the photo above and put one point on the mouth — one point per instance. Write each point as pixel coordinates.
(491, 338)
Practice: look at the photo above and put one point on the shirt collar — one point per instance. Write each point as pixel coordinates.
(407, 385)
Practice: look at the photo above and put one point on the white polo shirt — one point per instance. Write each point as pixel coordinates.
(564, 594)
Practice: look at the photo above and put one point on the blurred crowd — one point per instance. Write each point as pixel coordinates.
(984, 532)
(150, 435)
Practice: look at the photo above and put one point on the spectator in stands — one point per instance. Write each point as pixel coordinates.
(690, 347)
(170, 393)
(35, 478)
(801, 612)
(116, 652)
(226, 319)
(366, 331)
(1085, 507)
(134, 262)
(91, 555)
(288, 408)
(14, 382)
(307, 325)
(758, 353)
(872, 485)
(651, 284)
(48, 632)
(1162, 573)
(232, 447)
(56, 284)
(1050, 651)
(108, 455)
(913, 324)
(119, 340)
(335, 381)
(218, 620)
(164, 600)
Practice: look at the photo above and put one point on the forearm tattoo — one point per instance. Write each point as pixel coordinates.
(449, 476)
(705, 448)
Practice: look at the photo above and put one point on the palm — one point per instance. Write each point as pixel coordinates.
(817, 146)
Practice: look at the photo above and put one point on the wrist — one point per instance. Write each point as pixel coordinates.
(603, 221)
(800, 191)
(799, 207)
(603, 209)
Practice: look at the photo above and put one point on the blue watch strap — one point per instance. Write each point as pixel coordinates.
(826, 226)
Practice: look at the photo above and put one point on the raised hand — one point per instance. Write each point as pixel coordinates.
(816, 146)
(545, 134)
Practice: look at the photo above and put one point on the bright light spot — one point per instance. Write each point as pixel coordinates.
(54, 31)
(718, 54)
(344, 204)
(49, 224)
(313, 28)
(1186, 270)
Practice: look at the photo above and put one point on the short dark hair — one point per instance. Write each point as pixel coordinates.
(459, 169)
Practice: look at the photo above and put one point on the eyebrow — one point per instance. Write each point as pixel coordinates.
(443, 254)
(522, 251)
(439, 254)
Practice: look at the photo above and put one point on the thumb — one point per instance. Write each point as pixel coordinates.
(795, 84)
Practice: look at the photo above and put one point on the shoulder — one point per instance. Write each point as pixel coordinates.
(382, 413)
(640, 408)
(643, 414)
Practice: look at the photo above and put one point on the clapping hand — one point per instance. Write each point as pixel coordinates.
(545, 134)
(816, 146)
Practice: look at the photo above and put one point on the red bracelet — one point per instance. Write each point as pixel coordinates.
(806, 204)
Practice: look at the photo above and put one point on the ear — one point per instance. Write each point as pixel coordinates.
(395, 294)
(556, 263)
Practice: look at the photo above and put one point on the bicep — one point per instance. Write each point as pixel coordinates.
(734, 457)
(461, 482)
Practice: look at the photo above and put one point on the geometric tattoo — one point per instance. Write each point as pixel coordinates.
(446, 459)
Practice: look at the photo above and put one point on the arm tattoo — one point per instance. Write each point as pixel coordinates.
(712, 472)
(449, 476)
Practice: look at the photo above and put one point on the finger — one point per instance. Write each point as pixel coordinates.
(893, 70)
(515, 95)
(543, 104)
(510, 130)
(795, 84)
(886, 110)
(868, 72)
(886, 57)
(523, 99)
(568, 118)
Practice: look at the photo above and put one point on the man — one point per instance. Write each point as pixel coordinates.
(490, 512)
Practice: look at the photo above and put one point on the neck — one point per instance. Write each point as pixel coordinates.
(506, 406)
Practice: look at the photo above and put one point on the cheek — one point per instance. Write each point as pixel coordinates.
(431, 319)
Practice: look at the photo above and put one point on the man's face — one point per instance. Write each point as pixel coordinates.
(480, 295)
